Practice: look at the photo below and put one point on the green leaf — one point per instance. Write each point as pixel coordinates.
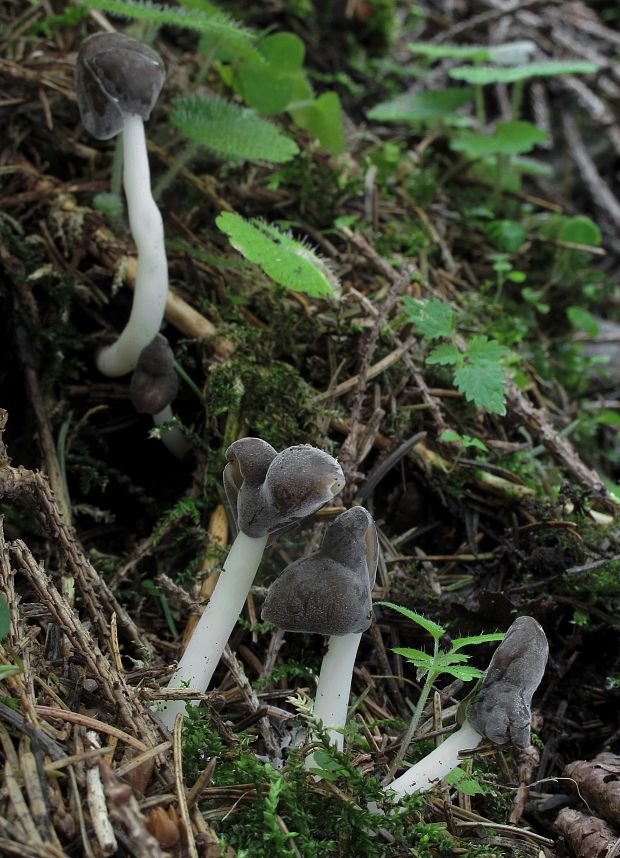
(464, 672)
(481, 350)
(268, 86)
(461, 781)
(472, 640)
(428, 625)
(206, 19)
(5, 618)
(510, 138)
(438, 105)
(450, 52)
(290, 263)
(323, 119)
(506, 235)
(445, 354)
(580, 230)
(416, 656)
(583, 320)
(230, 130)
(433, 319)
(484, 385)
(482, 75)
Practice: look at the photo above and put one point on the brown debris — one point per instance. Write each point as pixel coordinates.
(586, 836)
(598, 783)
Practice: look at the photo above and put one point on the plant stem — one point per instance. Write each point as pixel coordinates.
(332, 693)
(440, 762)
(185, 156)
(218, 619)
(151, 290)
(517, 98)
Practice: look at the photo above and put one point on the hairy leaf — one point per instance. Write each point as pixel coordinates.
(433, 319)
(432, 628)
(481, 75)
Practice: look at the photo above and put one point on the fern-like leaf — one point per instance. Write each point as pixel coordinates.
(230, 130)
(221, 28)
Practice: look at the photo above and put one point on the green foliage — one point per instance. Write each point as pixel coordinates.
(484, 75)
(478, 370)
(230, 130)
(464, 783)
(451, 662)
(509, 138)
(207, 20)
(433, 107)
(464, 441)
(199, 741)
(583, 320)
(5, 618)
(289, 262)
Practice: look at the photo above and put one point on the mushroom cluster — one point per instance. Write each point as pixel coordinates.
(268, 492)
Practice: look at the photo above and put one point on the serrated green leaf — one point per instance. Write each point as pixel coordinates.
(206, 19)
(445, 354)
(480, 350)
(464, 672)
(5, 618)
(484, 384)
(438, 105)
(473, 640)
(416, 656)
(432, 628)
(510, 138)
(230, 130)
(451, 658)
(482, 75)
(289, 262)
(433, 319)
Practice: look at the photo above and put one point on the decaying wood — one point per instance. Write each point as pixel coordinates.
(586, 836)
(598, 783)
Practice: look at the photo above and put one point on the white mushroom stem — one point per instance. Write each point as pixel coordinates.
(218, 619)
(151, 289)
(332, 694)
(425, 774)
(173, 438)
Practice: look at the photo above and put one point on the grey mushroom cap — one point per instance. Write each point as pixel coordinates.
(115, 76)
(501, 707)
(154, 383)
(329, 593)
(270, 492)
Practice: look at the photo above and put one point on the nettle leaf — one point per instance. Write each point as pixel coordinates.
(434, 105)
(445, 354)
(510, 138)
(230, 130)
(289, 262)
(459, 643)
(481, 350)
(484, 385)
(464, 672)
(433, 319)
(416, 657)
(482, 75)
(432, 628)
(205, 19)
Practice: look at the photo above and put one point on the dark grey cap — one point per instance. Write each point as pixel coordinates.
(154, 383)
(270, 492)
(501, 707)
(329, 593)
(116, 75)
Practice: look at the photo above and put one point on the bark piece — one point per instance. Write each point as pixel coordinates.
(586, 836)
(598, 781)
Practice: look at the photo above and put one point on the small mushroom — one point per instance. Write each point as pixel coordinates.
(117, 82)
(499, 708)
(268, 492)
(153, 387)
(329, 593)
(154, 383)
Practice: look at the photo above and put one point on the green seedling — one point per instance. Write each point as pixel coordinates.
(430, 666)
(478, 371)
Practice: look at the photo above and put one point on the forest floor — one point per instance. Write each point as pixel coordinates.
(455, 224)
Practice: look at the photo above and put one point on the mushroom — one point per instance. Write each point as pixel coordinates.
(154, 385)
(329, 593)
(499, 708)
(268, 492)
(117, 82)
